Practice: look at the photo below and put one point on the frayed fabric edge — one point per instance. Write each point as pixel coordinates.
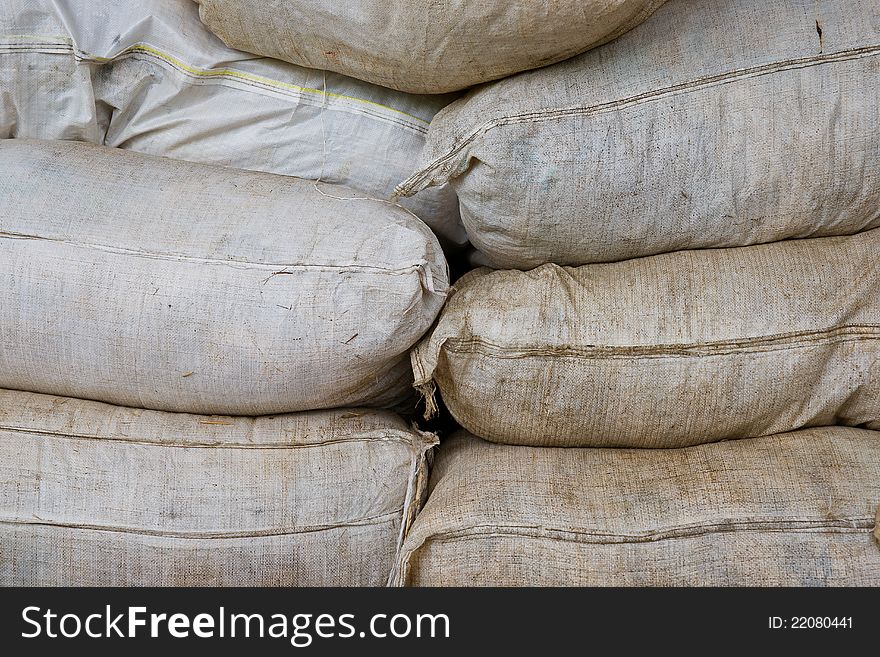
(416, 494)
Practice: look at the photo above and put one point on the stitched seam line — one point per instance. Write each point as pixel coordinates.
(781, 342)
(374, 520)
(249, 79)
(198, 445)
(842, 525)
(407, 187)
(239, 264)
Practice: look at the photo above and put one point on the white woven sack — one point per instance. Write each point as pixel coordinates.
(795, 509)
(422, 46)
(716, 123)
(664, 351)
(146, 75)
(163, 284)
(99, 495)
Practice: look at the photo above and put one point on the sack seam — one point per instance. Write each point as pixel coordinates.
(200, 445)
(761, 344)
(146, 51)
(282, 268)
(857, 524)
(416, 491)
(441, 164)
(142, 531)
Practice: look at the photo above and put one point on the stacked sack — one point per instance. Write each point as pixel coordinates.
(201, 367)
(194, 361)
(673, 377)
(719, 407)
(421, 46)
(148, 76)
(201, 292)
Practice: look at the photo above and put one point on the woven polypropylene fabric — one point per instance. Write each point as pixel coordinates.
(664, 351)
(715, 123)
(99, 495)
(146, 75)
(422, 46)
(163, 284)
(794, 509)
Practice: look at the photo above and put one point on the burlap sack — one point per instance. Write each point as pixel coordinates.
(98, 495)
(716, 123)
(422, 46)
(789, 510)
(877, 527)
(157, 283)
(664, 351)
(146, 75)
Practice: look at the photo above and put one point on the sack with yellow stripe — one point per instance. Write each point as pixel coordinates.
(146, 75)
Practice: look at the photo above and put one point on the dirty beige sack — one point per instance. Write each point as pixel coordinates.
(146, 75)
(877, 528)
(422, 46)
(665, 351)
(716, 123)
(794, 509)
(157, 283)
(98, 495)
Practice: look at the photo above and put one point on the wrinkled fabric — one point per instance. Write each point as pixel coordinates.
(795, 509)
(146, 75)
(664, 351)
(99, 495)
(175, 286)
(422, 46)
(716, 123)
